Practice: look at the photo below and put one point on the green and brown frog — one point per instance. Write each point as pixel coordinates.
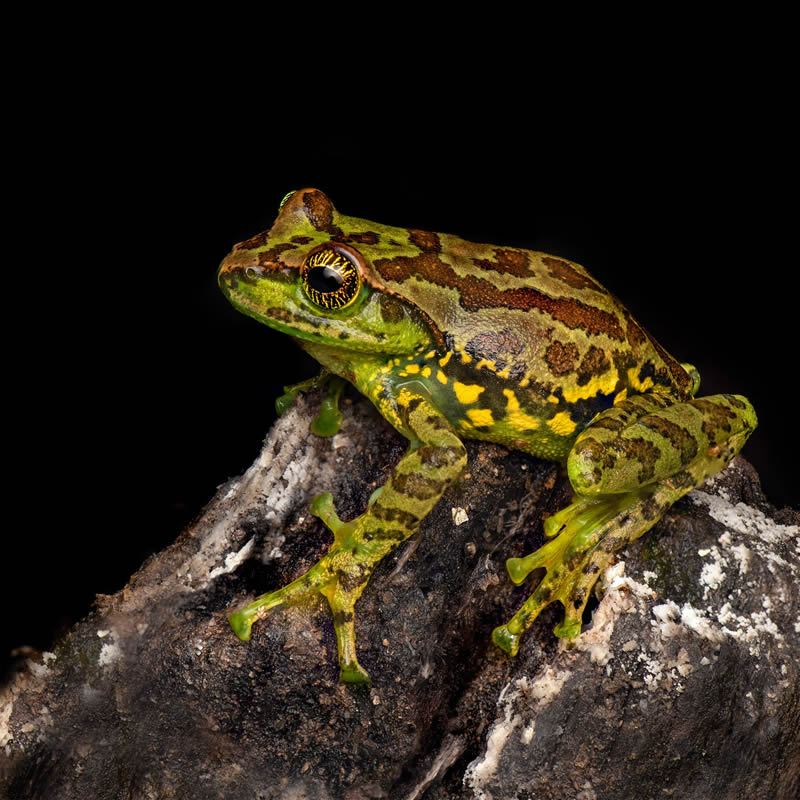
(453, 340)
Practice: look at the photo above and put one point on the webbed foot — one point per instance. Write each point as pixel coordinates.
(583, 538)
(340, 576)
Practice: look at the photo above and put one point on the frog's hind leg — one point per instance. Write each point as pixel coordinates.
(435, 458)
(631, 464)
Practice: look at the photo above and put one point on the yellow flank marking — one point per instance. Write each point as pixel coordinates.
(522, 421)
(465, 358)
(430, 355)
(562, 424)
(599, 384)
(481, 416)
(441, 377)
(403, 374)
(516, 417)
(467, 393)
(621, 396)
(513, 403)
(426, 372)
(504, 373)
(404, 397)
(465, 424)
(524, 382)
(412, 369)
(443, 361)
(485, 362)
(633, 379)
(552, 399)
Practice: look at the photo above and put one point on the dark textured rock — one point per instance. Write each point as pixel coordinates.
(686, 684)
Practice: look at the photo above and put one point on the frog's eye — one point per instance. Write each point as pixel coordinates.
(330, 279)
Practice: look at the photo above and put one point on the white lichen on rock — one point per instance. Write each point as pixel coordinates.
(530, 695)
(110, 651)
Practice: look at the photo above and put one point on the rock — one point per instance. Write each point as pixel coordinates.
(685, 684)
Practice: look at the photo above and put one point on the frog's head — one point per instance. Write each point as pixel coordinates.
(311, 276)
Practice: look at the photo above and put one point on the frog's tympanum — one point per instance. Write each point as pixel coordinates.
(453, 340)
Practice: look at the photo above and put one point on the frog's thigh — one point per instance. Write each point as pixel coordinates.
(654, 439)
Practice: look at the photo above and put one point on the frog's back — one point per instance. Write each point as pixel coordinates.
(544, 335)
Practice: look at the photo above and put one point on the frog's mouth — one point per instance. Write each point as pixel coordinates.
(265, 299)
(275, 298)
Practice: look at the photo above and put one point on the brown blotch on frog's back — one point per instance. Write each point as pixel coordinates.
(679, 376)
(477, 294)
(623, 360)
(426, 241)
(511, 262)
(635, 334)
(560, 357)
(492, 346)
(595, 362)
(566, 273)
(518, 370)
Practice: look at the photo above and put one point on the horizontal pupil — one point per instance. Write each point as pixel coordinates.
(324, 279)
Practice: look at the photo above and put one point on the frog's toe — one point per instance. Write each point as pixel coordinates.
(241, 621)
(354, 673)
(507, 641)
(241, 625)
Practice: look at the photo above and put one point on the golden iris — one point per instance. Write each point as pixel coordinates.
(330, 279)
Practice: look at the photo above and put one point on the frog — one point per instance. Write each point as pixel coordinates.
(451, 341)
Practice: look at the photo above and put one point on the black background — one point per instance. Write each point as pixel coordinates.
(134, 389)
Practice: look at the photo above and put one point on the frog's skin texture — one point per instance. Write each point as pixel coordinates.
(453, 340)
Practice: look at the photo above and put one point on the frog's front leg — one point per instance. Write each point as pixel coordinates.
(435, 458)
(631, 464)
(329, 419)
